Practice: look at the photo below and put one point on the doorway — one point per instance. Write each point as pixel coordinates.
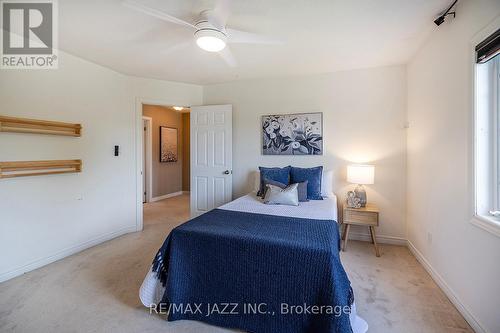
(207, 178)
(166, 162)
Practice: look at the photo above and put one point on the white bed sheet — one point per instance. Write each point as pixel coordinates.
(325, 209)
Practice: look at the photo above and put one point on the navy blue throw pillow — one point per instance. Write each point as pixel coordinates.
(281, 175)
(313, 177)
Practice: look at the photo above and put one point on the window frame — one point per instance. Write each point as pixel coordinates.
(496, 133)
(488, 223)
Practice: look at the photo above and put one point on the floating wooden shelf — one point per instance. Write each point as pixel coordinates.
(37, 168)
(23, 125)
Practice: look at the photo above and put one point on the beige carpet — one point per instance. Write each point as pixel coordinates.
(97, 289)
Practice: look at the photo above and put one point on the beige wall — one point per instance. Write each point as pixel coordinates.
(465, 259)
(186, 161)
(45, 218)
(364, 112)
(167, 176)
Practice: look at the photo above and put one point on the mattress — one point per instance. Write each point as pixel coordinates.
(325, 209)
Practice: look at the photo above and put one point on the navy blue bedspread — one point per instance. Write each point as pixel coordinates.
(257, 273)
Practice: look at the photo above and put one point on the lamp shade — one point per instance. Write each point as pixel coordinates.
(361, 174)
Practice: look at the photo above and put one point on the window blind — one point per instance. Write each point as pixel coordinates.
(488, 48)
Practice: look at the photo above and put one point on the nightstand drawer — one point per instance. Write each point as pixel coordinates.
(360, 217)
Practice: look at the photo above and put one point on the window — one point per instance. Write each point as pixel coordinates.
(487, 134)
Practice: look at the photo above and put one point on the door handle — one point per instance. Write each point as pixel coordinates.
(227, 172)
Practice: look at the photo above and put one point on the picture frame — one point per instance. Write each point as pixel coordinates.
(292, 134)
(169, 145)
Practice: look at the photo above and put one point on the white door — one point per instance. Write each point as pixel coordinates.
(211, 157)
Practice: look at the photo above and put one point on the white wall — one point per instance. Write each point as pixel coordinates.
(47, 217)
(363, 113)
(463, 258)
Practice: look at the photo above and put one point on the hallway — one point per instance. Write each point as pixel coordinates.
(170, 211)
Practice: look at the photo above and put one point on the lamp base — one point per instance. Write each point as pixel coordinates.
(361, 194)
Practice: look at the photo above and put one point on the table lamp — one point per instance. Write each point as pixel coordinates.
(361, 175)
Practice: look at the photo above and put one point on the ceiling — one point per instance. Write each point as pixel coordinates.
(320, 36)
(185, 109)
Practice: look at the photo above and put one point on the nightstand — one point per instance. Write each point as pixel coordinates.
(366, 216)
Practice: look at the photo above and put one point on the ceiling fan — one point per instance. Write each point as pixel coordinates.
(210, 31)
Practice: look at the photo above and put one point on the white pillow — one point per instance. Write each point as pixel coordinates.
(327, 184)
(282, 196)
(255, 179)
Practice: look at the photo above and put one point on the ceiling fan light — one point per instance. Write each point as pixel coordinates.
(208, 38)
(210, 43)
(178, 108)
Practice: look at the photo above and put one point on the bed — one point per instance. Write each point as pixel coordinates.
(256, 268)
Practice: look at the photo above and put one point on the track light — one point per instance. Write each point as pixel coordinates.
(441, 18)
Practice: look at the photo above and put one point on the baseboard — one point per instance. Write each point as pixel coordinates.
(380, 239)
(64, 253)
(166, 196)
(447, 290)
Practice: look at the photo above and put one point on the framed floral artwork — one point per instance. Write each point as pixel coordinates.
(168, 144)
(292, 134)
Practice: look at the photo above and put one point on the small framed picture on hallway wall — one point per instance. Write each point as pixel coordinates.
(168, 144)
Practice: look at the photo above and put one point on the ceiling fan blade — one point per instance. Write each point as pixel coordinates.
(176, 47)
(238, 36)
(228, 57)
(221, 13)
(155, 13)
